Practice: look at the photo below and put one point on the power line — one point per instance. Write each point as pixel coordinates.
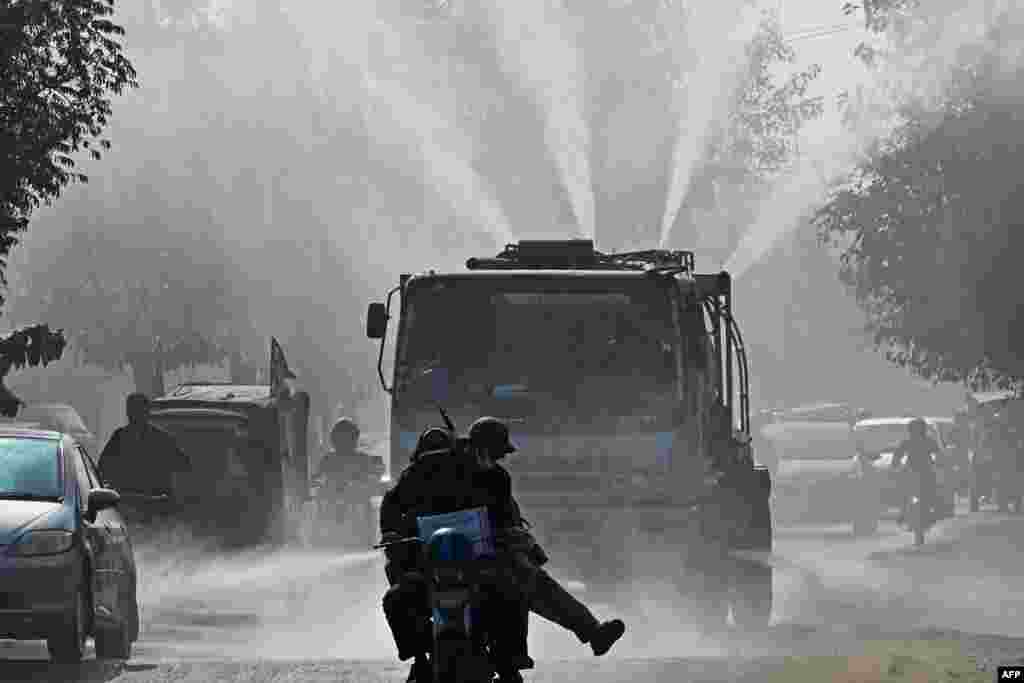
(818, 32)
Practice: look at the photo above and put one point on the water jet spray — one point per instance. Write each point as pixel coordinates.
(536, 50)
(707, 85)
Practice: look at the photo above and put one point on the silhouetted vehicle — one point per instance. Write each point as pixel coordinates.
(68, 567)
(249, 454)
(811, 448)
(985, 412)
(458, 561)
(624, 378)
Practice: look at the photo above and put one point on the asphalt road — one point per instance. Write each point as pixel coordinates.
(302, 616)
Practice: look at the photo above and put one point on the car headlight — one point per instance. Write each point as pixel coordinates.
(44, 542)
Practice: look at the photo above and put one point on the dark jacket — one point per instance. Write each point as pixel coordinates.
(918, 454)
(142, 464)
(446, 482)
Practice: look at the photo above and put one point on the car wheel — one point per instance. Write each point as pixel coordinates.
(130, 601)
(114, 642)
(68, 644)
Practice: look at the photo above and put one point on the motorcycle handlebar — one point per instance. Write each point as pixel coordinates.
(144, 497)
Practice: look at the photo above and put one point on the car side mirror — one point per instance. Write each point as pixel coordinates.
(101, 499)
(376, 321)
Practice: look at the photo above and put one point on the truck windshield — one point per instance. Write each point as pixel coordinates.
(577, 351)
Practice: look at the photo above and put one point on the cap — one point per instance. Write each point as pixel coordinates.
(343, 425)
(490, 432)
(433, 440)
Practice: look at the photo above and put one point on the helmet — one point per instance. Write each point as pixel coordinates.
(344, 426)
(491, 433)
(917, 425)
(433, 440)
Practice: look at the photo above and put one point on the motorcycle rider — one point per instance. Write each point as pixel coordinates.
(346, 475)
(488, 442)
(346, 463)
(917, 450)
(141, 456)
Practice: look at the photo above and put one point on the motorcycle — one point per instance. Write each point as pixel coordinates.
(458, 557)
(342, 510)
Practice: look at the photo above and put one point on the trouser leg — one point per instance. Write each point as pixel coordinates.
(406, 611)
(507, 622)
(553, 602)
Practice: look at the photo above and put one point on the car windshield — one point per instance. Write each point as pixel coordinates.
(575, 352)
(29, 468)
(879, 438)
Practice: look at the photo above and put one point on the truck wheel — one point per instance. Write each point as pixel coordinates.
(752, 595)
(706, 596)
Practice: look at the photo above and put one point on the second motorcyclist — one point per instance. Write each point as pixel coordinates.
(914, 457)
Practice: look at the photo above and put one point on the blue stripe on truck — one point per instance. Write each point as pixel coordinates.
(664, 441)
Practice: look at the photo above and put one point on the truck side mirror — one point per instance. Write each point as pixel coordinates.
(376, 321)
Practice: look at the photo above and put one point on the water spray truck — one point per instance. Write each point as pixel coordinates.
(623, 379)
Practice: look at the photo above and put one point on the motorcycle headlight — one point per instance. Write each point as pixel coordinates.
(43, 542)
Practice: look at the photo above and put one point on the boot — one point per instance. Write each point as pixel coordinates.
(605, 635)
(421, 671)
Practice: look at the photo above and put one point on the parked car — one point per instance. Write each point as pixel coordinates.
(61, 417)
(68, 567)
(876, 441)
(812, 469)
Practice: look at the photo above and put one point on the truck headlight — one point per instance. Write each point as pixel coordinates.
(43, 542)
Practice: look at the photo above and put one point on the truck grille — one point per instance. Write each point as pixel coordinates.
(557, 481)
(12, 601)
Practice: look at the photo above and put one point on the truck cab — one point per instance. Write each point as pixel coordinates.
(623, 380)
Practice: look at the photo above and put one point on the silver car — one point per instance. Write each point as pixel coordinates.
(65, 555)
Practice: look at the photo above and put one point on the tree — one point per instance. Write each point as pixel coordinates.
(932, 219)
(61, 62)
(144, 287)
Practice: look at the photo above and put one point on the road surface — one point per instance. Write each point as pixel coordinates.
(304, 616)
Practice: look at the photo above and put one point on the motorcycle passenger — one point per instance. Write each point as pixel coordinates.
(526, 582)
(917, 450)
(490, 443)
